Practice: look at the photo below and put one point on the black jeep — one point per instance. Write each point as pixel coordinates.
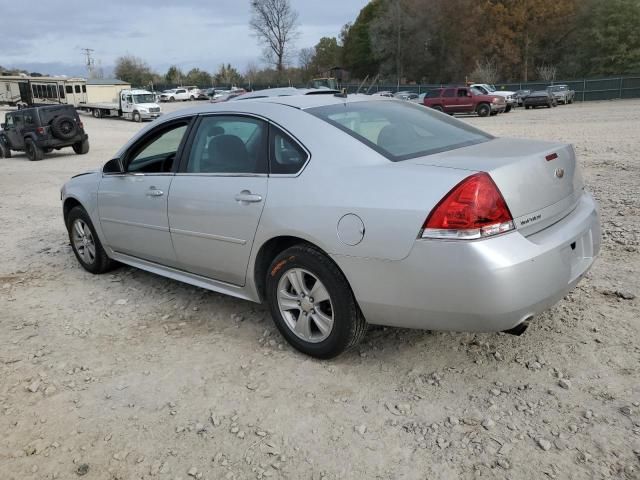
(40, 130)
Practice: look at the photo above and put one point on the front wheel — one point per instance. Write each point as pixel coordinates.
(312, 304)
(483, 110)
(508, 109)
(81, 148)
(5, 151)
(97, 113)
(172, 99)
(192, 98)
(137, 117)
(85, 243)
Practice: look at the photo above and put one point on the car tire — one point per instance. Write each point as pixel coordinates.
(89, 253)
(64, 127)
(508, 109)
(483, 110)
(33, 151)
(192, 98)
(172, 99)
(334, 323)
(82, 147)
(438, 108)
(5, 151)
(526, 107)
(137, 117)
(97, 113)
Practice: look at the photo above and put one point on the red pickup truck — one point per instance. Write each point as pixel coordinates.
(464, 100)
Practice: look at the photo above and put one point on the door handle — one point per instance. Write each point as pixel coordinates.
(246, 196)
(154, 192)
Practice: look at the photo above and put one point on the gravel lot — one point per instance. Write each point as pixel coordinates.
(132, 376)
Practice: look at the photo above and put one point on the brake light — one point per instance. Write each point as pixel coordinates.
(40, 130)
(473, 209)
(81, 125)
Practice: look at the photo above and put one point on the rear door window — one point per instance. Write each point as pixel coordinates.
(286, 155)
(449, 92)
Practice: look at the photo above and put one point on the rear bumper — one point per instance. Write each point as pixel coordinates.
(479, 286)
(56, 143)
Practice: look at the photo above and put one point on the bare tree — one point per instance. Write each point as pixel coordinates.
(275, 24)
(486, 71)
(547, 72)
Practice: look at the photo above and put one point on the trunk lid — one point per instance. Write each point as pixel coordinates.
(540, 181)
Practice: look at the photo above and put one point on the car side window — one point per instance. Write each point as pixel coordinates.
(156, 153)
(229, 144)
(285, 156)
(28, 119)
(450, 92)
(462, 92)
(9, 121)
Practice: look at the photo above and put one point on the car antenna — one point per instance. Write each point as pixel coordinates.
(341, 94)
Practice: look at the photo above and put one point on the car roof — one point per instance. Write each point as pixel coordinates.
(285, 92)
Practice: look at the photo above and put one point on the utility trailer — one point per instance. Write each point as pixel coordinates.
(23, 90)
(135, 105)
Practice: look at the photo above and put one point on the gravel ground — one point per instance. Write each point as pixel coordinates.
(130, 375)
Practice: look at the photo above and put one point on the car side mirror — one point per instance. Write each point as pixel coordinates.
(2, 125)
(113, 166)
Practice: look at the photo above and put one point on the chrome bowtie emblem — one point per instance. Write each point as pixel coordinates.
(559, 172)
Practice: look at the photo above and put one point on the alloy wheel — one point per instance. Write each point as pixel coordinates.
(83, 241)
(305, 305)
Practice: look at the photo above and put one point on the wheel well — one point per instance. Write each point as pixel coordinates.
(69, 203)
(267, 253)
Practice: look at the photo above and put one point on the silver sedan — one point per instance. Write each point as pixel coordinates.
(342, 212)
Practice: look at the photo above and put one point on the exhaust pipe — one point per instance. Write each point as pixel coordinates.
(520, 328)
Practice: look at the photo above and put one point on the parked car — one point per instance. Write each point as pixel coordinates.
(539, 98)
(405, 95)
(339, 212)
(562, 93)
(226, 95)
(175, 94)
(519, 96)
(487, 89)
(383, 93)
(465, 100)
(284, 92)
(40, 130)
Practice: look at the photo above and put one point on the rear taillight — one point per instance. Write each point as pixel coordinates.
(81, 125)
(474, 208)
(40, 130)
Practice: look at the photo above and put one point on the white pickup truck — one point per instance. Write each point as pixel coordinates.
(509, 97)
(136, 105)
(180, 94)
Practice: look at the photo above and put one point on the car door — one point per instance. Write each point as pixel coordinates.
(217, 198)
(464, 100)
(449, 101)
(132, 205)
(181, 94)
(13, 130)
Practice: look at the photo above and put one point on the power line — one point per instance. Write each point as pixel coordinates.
(90, 61)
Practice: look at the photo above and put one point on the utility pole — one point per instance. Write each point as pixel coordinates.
(90, 61)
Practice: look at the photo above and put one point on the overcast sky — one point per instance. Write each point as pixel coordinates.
(187, 33)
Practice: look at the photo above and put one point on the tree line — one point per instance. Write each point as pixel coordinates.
(433, 41)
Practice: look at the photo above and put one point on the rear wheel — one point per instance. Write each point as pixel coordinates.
(438, 108)
(82, 147)
(33, 151)
(192, 98)
(85, 243)
(312, 304)
(483, 110)
(97, 113)
(508, 109)
(172, 99)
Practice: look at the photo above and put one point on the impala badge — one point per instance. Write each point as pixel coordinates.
(559, 172)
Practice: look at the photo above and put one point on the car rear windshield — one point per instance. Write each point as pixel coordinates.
(49, 113)
(400, 130)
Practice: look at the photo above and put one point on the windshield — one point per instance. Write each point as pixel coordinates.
(399, 130)
(144, 98)
(476, 91)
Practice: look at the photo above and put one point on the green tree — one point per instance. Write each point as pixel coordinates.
(133, 70)
(358, 56)
(608, 37)
(328, 54)
(198, 77)
(174, 75)
(227, 76)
